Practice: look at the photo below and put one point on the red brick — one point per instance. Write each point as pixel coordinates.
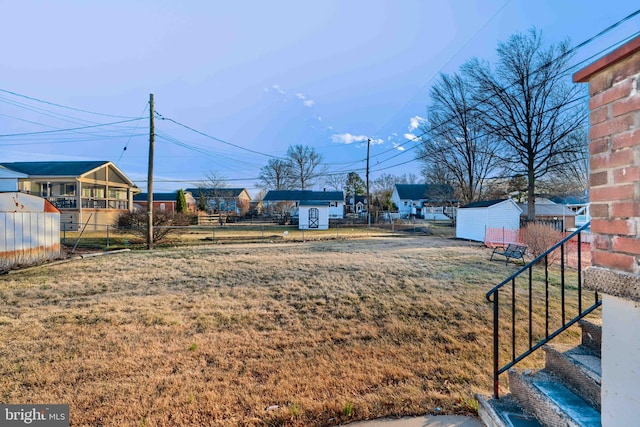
(600, 210)
(612, 193)
(625, 69)
(617, 261)
(600, 145)
(598, 178)
(600, 82)
(611, 127)
(612, 160)
(624, 210)
(622, 227)
(626, 139)
(599, 115)
(626, 245)
(620, 90)
(601, 242)
(624, 106)
(627, 174)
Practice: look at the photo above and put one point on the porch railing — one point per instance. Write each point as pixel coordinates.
(529, 297)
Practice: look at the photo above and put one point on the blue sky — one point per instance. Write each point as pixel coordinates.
(257, 76)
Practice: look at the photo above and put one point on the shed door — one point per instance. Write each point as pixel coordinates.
(313, 217)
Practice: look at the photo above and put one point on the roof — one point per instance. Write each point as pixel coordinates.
(216, 192)
(157, 197)
(572, 199)
(54, 168)
(8, 173)
(428, 192)
(608, 60)
(314, 203)
(483, 203)
(297, 195)
(548, 209)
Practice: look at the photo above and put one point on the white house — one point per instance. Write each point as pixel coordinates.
(428, 201)
(495, 220)
(9, 179)
(313, 215)
(290, 200)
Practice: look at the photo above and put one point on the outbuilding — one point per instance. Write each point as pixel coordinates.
(29, 229)
(490, 221)
(313, 215)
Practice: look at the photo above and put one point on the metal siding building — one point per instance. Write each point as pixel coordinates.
(29, 230)
(474, 219)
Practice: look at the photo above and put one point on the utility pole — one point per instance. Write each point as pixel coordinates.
(150, 177)
(368, 195)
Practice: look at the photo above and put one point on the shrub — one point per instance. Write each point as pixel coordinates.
(539, 238)
(136, 223)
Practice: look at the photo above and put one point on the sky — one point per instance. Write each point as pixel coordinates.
(235, 83)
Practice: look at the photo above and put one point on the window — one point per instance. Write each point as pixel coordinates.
(163, 207)
(67, 189)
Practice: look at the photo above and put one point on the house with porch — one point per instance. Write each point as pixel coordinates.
(428, 201)
(287, 202)
(85, 192)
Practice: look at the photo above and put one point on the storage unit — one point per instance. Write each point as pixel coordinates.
(479, 220)
(313, 215)
(29, 229)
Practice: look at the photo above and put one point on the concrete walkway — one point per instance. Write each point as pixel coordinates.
(424, 421)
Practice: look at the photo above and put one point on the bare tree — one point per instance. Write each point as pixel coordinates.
(336, 181)
(527, 103)
(304, 165)
(276, 175)
(572, 177)
(455, 149)
(382, 190)
(212, 187)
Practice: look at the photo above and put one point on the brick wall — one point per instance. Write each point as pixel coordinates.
(614, 85)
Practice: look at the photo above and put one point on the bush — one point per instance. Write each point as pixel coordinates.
(539, 238)
(136, 223)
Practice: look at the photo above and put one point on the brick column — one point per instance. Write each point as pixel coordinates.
(614, 82)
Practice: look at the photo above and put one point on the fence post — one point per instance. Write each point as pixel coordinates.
(64, 232)
(107, 236)
(262, 233)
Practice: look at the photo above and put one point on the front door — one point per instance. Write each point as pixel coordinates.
(313, 217)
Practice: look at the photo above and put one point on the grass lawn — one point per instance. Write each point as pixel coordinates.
(313, 333)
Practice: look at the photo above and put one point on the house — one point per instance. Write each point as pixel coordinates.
(85, 192)
(223, 200)
(428, 201)
(578, 204)
(553, 214)
(9, 179)
(494, 222)
(357, 204)
(164, 201)
(34, 225)
(287, 202)
(313, 215)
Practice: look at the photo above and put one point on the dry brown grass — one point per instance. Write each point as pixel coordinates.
(253, 335)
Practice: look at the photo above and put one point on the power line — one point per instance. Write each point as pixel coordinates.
(63, 106)
(69, 129)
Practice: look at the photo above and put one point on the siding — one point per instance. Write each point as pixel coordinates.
(28, 237)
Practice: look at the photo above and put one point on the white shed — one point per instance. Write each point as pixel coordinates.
(491, 221)
(29, 229)
(313, 215)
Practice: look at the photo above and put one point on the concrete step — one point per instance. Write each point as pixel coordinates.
(504, 412)
(543, 395)
(591, 336)
(579, 368)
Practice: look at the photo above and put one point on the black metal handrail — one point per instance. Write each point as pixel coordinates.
(548, 336)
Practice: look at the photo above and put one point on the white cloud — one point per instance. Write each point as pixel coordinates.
(415, 122)
(319, 118)
(309, 103)
(277, 89)
(398, 146)
(410, 136)
(347, 138)
(301, 96)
